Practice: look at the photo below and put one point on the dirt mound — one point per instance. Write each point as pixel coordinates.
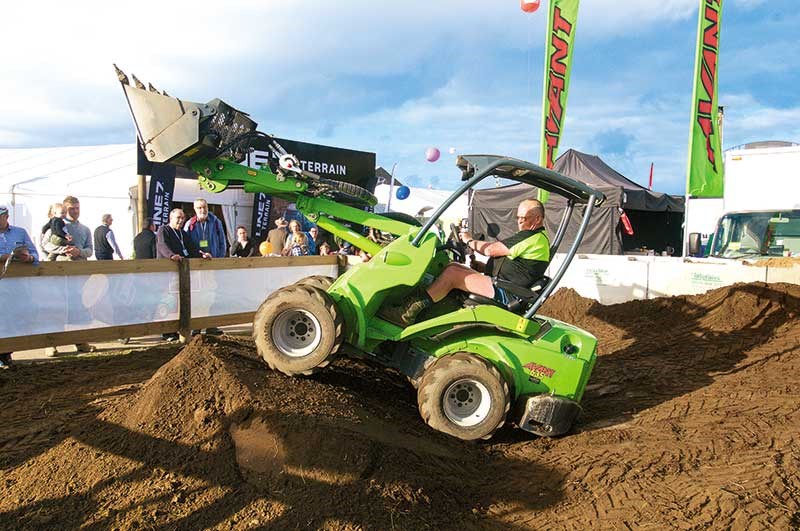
(188, 398)
(690, 420)
(780, 261)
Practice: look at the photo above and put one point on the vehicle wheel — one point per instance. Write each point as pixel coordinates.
(463, 395)
(318, 281)
(298, 329)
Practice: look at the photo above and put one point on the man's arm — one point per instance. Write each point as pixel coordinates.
(222, 239)
(154, 252)
(490, 249)
(194, 249)
(31, 247)
(163, 248)
(88, 249)
(113, 243)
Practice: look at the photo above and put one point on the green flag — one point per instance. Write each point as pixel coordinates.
(561, 22)
(705, 174)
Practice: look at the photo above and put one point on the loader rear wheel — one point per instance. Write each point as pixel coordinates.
(298, 330)
(318, 281)
(465, 396)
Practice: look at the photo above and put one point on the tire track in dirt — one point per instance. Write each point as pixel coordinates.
(691, 421)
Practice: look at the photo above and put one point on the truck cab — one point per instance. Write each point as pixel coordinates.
(756, 234)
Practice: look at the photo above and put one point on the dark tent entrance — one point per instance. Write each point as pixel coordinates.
(656, 218)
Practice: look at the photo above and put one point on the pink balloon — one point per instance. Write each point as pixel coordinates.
(432, 154)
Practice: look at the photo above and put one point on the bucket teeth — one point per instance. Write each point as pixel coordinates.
(121, 75)
(138, 83)
(151, 88)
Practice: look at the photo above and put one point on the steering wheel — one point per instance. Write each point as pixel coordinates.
(455, 245)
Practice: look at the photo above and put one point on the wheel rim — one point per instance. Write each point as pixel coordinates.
(296, 333)
(466, 402)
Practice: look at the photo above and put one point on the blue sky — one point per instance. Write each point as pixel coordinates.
(396, 78)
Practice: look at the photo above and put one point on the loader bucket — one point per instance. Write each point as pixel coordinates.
(178, 132)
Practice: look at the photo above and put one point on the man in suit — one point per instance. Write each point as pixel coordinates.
(174, 244)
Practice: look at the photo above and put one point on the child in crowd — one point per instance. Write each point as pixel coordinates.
(299, 245)
(324, 249)
(57, 227)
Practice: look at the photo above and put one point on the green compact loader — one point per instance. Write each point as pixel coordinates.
(474, 362)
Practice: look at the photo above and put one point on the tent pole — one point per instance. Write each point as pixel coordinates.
(141, 201)
(391, 189)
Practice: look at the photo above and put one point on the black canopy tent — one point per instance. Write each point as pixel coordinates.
(656, 217)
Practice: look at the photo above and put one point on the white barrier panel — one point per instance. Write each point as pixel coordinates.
(233, 291)
(686, 278)
(608, 280)
(50, 304)
(784, 274)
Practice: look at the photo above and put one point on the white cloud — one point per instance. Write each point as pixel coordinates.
(265, 57)
(749, 120)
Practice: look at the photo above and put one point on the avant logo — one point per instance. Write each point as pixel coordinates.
(556, 82)
(708, 74)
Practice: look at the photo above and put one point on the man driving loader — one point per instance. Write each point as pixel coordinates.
(520, 259)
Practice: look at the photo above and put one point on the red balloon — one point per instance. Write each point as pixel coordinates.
(529, 6)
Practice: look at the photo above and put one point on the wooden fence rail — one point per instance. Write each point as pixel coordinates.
(58, 303)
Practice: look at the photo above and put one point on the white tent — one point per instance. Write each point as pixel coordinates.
(103, 178)
(421, 202)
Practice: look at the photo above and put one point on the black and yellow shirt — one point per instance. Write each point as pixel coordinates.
(527, 261)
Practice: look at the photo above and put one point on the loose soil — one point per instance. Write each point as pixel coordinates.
(690, 421)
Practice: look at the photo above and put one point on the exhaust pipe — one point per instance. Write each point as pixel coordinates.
(179, 132)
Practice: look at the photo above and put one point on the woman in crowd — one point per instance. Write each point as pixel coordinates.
(244, 246)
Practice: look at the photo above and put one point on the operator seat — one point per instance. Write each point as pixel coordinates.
(520, 299)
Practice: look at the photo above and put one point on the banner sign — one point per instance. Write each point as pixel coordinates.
(561, 22)
(262, 205)
(159, 197)
(706, 173)
(356, 167)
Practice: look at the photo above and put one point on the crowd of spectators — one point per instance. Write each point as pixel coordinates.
(64, 238)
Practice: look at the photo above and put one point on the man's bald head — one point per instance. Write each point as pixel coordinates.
(530, 214)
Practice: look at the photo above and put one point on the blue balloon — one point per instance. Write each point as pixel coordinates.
(403, 192)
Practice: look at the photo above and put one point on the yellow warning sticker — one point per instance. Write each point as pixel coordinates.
(252, 173)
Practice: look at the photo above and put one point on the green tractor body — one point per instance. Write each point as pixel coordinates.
(474, 362)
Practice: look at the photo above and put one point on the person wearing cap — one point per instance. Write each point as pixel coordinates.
(16, 245)
(277, 236)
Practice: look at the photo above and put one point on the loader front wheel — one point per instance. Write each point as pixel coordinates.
(463, 395)
(298, 330)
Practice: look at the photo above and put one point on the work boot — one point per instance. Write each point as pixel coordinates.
(405, 314)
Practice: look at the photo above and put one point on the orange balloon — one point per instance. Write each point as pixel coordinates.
(265, 248)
